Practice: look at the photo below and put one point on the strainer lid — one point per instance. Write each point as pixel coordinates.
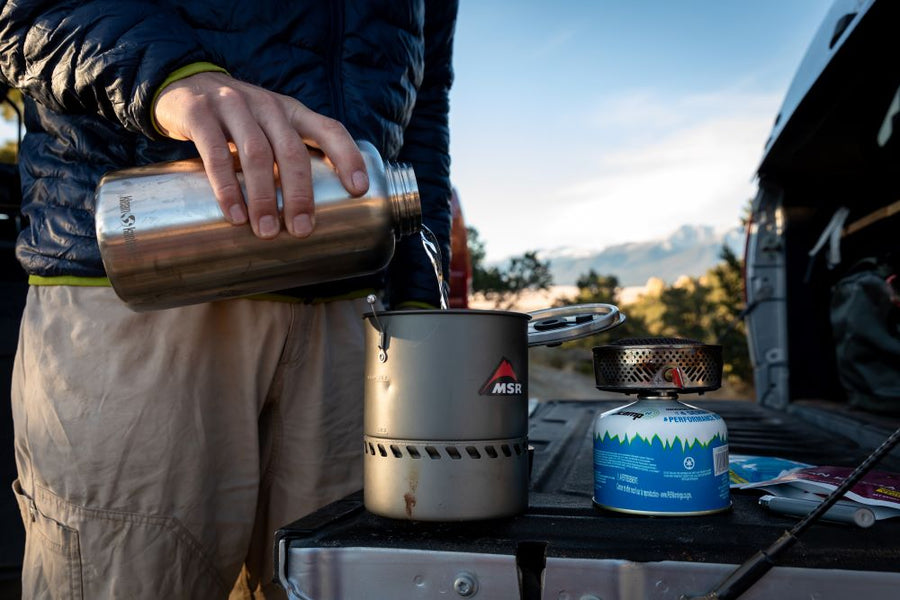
(553, 326)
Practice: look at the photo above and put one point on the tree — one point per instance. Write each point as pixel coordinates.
(11, 110)
(476, 247)
(727, 295)
(9, 152)
(675, 311)
(706, 309)
(528, 272)
(596, 288)
(505, 286)
(484, 278)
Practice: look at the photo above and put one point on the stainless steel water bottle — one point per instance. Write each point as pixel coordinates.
(164, 241)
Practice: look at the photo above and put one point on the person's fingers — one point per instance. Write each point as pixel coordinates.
(270, 131)
(218, 162)
(187, 110)
(336, 142)
(294, 173)
(257, 159)
(205, 130)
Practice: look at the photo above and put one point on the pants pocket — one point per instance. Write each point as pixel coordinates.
(51, 567)
(100, 553)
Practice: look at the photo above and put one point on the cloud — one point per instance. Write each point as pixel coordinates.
(699, 174)
(550, 44)
(647, 112)
(641, 165)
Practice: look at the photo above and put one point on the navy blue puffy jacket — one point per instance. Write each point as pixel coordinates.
(89, 71)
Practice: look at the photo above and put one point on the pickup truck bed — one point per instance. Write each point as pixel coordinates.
(563, 548)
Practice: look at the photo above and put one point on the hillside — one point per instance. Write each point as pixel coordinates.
(690, 250)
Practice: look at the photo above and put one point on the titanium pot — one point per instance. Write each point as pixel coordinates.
(446, 407)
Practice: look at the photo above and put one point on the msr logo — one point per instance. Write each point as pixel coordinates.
(503, 381)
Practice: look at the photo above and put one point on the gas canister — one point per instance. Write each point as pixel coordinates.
(663, 457)
(658, 455)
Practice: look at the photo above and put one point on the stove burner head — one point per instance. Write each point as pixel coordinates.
(658, 365)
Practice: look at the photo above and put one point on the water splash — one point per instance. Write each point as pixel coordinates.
(433, 250)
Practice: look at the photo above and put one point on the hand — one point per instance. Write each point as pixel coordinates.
(270, 133)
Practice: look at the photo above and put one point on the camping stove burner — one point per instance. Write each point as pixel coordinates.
(658, 365)
(657, 455)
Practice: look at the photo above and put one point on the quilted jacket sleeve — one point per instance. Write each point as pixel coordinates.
(97, 57)
(427, 147)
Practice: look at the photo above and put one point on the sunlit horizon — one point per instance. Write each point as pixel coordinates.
(585, 125)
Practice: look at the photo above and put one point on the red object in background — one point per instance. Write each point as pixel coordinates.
(460, 279)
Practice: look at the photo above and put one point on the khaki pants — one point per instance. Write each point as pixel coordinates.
(158, 452)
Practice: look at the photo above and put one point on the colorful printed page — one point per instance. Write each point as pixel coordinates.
(745, 469)
(877, 490)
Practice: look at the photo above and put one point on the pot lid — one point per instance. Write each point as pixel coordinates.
(553, 326)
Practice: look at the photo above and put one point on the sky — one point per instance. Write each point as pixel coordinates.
(585, 123)
(581, 124)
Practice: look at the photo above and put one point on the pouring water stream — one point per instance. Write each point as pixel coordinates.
(433, 250)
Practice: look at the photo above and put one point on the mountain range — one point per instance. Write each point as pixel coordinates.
(690, 250)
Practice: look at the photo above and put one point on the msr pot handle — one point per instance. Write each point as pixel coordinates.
(553, 326)
(382, 339)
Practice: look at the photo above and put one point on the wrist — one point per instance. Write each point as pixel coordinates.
(177, 75)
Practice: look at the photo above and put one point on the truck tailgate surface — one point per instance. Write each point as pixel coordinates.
(565, 549)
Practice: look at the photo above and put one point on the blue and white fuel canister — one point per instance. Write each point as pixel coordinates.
(659, 456)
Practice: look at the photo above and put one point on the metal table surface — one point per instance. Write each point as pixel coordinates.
(563, 548)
